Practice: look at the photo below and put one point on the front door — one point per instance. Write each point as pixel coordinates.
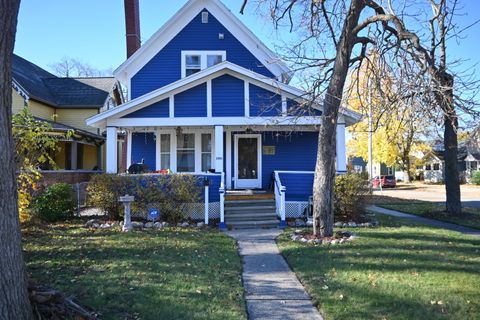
(248, 161)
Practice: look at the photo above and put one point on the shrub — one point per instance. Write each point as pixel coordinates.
(476, 178)
(170, 194)
(56, 203)
(103, 192)
(351, 193)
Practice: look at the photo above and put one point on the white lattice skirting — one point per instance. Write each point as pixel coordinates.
(195, 211)
(295, 209)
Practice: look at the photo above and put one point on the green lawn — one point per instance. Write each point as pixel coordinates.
(400, 270)
(166, 274)
(469, 218)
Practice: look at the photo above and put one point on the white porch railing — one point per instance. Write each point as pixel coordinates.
(221, 190)
(280, 200)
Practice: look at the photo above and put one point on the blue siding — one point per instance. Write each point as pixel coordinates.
(264, 102)
(294, 151)
(299, 186)
(213, 188)
(192, 103)
(294, 108)
(143, 147)
(228, 97)
(164, 67)
(156, 110)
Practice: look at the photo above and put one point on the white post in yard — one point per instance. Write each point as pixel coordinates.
(112, 150)
(219, 149)
(222, 225)
(283, 222)
(341, 150)
(206, 204)
(127, 221)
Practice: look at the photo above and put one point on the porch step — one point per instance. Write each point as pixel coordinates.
(271, 223)
(249, 203)
(252, 208)
(246, 197)
(258, 213)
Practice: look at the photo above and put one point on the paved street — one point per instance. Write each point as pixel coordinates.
(433, 193)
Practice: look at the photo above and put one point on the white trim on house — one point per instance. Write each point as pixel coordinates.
(183, 17)
(209, 98)
(246, 91)
(248, 183)
(228, 156)
(129, 149)
(199, 78)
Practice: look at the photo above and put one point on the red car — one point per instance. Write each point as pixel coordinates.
(384, 182)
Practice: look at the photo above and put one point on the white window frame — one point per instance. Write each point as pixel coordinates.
(198, 147)
(203, 58)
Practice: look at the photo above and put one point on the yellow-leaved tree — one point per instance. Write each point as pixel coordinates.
(395, 119)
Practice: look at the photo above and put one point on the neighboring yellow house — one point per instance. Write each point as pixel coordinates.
(65, 103)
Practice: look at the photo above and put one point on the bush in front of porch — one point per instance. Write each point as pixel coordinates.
(171, 194)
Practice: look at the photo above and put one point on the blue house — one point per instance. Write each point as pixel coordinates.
(207, 97)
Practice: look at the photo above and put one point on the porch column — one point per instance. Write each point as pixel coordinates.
(112, 150)
(73, 155)
(341, 149)
(218, 148)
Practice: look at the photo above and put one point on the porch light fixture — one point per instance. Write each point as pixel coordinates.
(178, 131)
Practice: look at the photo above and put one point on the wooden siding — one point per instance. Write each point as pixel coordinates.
(90, 157)
(18, 103)
(299, 186)
(41, 110)
(294, 151)
(228, 97)
(165, 67)
(264, 102)
(192, 102)
(143, 147)
(156, 110)
(76, 118)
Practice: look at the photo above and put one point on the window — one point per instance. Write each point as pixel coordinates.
(206, 152)
(436, 166)
(204, 17)
(192, 64)
(186, 152)
(194, 61)
(164, 151)
(214, 59)
(473, 165)
(428, 167)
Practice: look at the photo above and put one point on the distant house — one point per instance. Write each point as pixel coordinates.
(207, 97)
(433, 170)
(65, 103)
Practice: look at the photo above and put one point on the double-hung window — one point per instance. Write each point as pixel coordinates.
(195, 61)
(164, 151)
(206, 152)
(186, 152)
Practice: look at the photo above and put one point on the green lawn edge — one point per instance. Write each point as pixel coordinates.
(171, 273)
(470, 217)
(400, 270)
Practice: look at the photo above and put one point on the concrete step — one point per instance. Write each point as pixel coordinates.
(250, 209)
(252, 215)
(249, 203)
(230, 219)
(271, 223)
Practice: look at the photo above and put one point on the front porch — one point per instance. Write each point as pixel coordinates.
(276, 159)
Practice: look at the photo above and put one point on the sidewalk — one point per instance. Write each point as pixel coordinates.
(272, 291)
(430, 222)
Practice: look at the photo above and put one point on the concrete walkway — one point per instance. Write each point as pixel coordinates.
(272, 290)
(430, 222)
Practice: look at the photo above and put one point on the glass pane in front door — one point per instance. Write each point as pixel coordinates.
(247, 158)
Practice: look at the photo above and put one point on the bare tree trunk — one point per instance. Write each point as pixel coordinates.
(450, 142)
(14, 303)
(324, 181)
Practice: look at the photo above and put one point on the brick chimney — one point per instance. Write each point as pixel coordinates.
(132, 26)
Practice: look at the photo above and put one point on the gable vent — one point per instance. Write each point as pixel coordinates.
(204, 17)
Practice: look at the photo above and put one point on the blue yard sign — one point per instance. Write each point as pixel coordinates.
(153, 214)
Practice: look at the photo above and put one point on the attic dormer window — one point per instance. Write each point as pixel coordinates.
(195, 61)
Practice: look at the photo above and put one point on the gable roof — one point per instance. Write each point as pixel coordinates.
(188, 12)
(200, 77)
(60, 92)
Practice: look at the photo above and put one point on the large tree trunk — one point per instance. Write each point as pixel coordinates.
(14, 303)
(450, 142)
(324, 181)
